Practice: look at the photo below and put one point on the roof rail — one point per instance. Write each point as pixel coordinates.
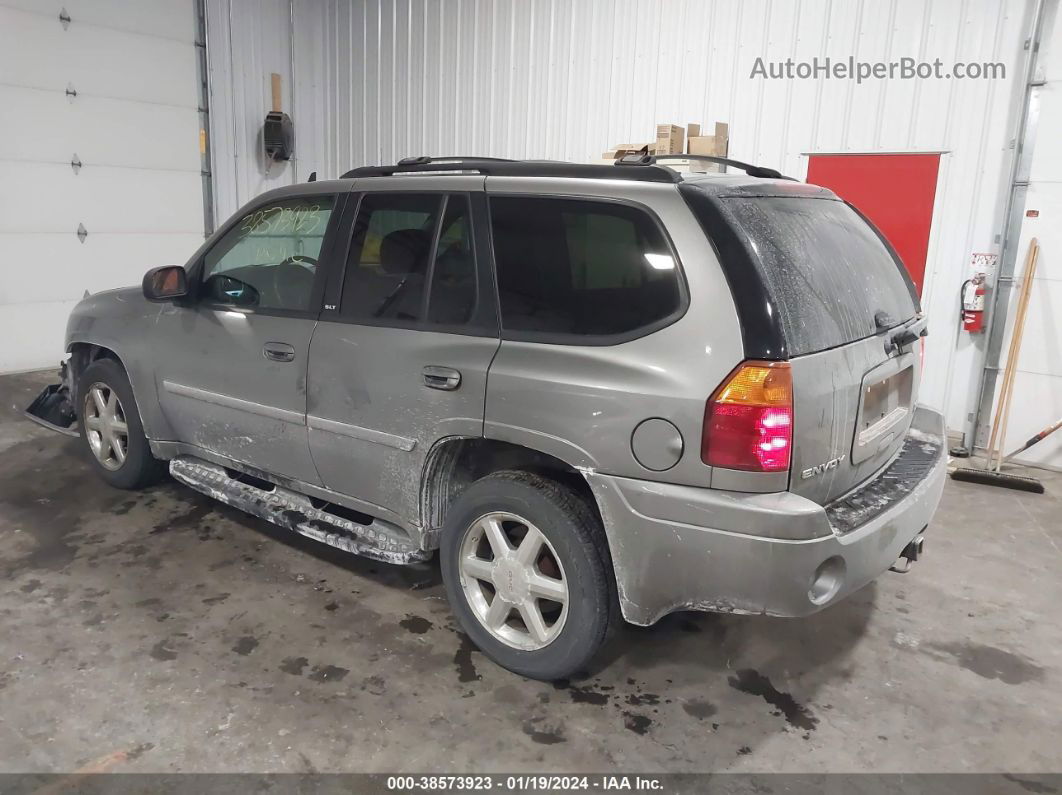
(748, 168)
(422, 159)
(499, 167)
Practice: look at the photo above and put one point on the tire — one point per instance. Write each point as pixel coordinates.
(574, 548)
(135, 467)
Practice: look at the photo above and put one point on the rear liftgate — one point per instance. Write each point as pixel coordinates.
(374, 539)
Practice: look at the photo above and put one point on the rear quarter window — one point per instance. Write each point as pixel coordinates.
(580, 270)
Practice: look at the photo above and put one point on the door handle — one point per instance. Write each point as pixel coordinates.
(278, 352)
(445, 378)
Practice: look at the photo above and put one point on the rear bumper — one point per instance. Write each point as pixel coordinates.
(682, 548)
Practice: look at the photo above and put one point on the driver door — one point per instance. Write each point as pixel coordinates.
(231, 363)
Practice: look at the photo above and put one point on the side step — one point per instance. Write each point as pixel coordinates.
(379, 540)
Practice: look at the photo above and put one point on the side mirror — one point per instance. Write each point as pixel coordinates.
(224, 289)
(166, 283)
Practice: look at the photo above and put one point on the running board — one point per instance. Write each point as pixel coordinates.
(379, 540)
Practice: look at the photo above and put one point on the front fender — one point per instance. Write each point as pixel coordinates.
(122, 322)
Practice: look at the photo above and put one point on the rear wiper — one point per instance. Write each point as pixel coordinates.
(907, 334)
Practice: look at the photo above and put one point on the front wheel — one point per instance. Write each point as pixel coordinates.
(111, 428)
(527, 571)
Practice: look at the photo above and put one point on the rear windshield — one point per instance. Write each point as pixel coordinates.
(827, 273)
(831, 277)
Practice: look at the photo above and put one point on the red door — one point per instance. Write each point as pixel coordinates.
(896, 192)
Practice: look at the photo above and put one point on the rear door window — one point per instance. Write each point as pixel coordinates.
(831, 278)
(411, 261)
(387, 267)
(581, 269)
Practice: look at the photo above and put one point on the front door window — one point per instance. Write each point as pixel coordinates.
(268, 260)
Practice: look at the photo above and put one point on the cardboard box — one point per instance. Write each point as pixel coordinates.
(669, 139)
(707, 145)
(692, 130)
(722, 132)
(715, 145)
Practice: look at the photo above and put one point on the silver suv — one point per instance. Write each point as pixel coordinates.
(598, 391)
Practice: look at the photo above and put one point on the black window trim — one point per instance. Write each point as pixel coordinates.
(484, 320)
(591, 340)
(324, 268)
(759, 319)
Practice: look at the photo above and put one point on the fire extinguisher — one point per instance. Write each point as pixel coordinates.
(973, 304)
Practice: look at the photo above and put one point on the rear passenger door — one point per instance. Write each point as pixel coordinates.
(400, 356)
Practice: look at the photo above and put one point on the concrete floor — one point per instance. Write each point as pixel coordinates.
(198, 639)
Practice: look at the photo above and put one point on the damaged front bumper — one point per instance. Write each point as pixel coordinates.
(684, 548)
(54, 407)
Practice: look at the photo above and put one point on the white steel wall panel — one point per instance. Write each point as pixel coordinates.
(376, 80)
(104, 199)
(118, 258)
(134, 126)
(167, 20)
(242, 56)
(86, 128)
(110, 63)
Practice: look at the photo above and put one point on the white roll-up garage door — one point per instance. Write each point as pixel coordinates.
(114, 87)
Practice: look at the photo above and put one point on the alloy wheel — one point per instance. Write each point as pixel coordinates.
(105, 426)
(513, 581)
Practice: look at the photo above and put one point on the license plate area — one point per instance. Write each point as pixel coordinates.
(884, 408)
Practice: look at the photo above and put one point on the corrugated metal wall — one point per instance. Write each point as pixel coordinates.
(246, 42)
(377, 80)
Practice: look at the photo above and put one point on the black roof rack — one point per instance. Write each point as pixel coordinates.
(422, 159)
(498, 167)
(648, 168)
(748, 168)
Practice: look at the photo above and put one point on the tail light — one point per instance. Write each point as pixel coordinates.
(748, 422)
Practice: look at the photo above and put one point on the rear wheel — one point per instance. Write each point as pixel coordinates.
(110, 426)
(526, 569)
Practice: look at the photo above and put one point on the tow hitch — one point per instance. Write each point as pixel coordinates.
(911, 553)
(53, 407)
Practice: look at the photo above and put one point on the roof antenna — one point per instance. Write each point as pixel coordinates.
(313, 177)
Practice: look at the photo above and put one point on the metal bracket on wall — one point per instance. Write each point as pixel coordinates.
(75, 163)
(82, 232)
(64, 18)
(71, 92)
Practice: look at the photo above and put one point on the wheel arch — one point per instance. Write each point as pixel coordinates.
(456, 462)
(84, 352)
